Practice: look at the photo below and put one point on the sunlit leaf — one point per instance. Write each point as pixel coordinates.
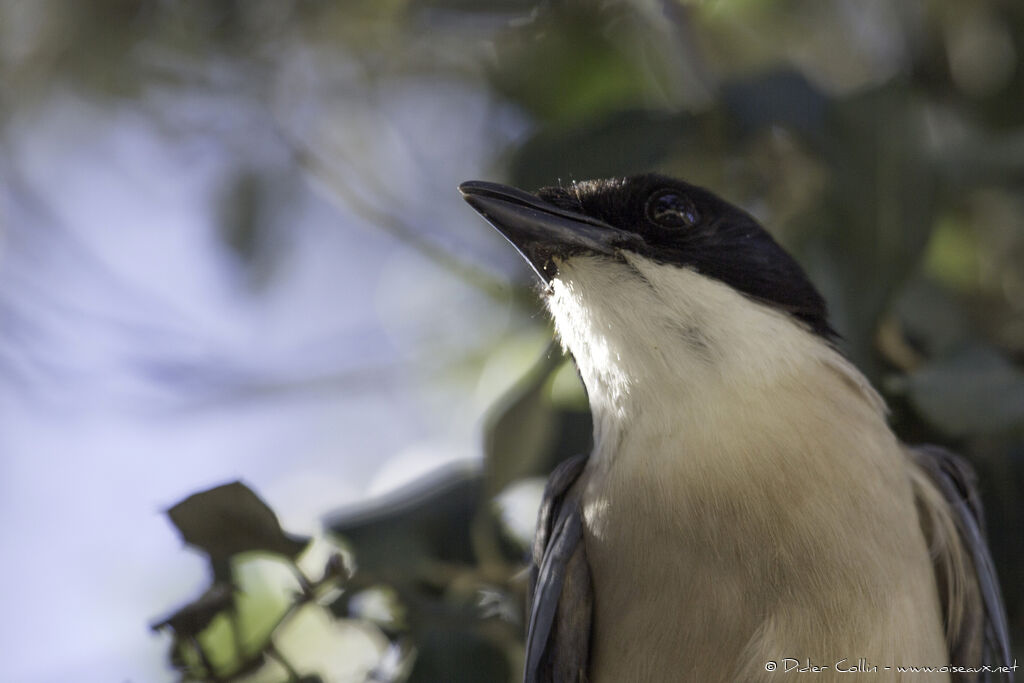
(314, 643)
(517, 508)
(218, 644)
(952, 255)
(267, 587)
(379, 604)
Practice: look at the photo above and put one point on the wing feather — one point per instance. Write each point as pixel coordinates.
(560, 599)
(979, 630)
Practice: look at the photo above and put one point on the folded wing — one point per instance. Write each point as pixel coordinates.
(561, 597)
(966, 575)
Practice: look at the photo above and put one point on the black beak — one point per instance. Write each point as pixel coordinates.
(541, 231)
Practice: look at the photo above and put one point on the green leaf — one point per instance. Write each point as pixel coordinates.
(218, 644)
(952, 256)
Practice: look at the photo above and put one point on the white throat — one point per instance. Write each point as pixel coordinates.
(666, 347)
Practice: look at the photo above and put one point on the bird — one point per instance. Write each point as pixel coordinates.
(746, 511)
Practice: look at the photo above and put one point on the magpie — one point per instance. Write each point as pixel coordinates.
(746, 511)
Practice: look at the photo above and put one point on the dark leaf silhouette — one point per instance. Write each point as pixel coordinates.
(197, 615)
(879, 210)
(781, 97)
(621, 143)
(526, 435)
(975, 391)
(230, 519)
(424, 522)
(458, 655)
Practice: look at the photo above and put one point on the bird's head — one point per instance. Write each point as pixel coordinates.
(648, 274)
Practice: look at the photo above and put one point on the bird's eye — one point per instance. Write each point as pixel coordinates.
(673, 210)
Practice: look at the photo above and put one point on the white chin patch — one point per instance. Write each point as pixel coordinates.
(636, 323)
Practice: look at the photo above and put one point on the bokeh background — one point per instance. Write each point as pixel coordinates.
(231, 248)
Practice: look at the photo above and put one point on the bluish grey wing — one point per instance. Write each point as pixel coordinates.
(989, 638)
(560, 598)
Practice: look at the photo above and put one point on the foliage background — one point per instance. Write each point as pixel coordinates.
(231, 247)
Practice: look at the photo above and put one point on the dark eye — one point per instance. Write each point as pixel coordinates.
(672, 210)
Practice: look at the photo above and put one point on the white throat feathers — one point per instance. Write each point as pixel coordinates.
(641, 332)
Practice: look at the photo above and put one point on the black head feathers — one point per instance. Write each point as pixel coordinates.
(661, 218)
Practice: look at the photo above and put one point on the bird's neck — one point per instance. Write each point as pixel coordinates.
(664, 351)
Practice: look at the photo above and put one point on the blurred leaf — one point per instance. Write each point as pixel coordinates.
(458, 655)
(564, 66)
(526, 435)
(932, 322)
(396, 663)
(520, 429)
(502, 7)
(380, 605)
(979, 157)
(516, 507)
(619, 143)
(267, 588)
(975, 391)
(567, 390)
(395, 535)
(782, 97)
(197, 615)
(878, 214)
(417, 541)
(632, 140)
(312, 641)
(324, 559)
(231, 519)
(255, 220)
(218, 645)
(952, 255)
(240, 216)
